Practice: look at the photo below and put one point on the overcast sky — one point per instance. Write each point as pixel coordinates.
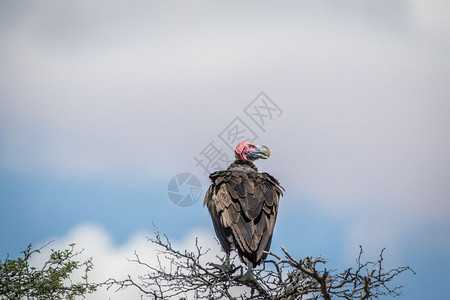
(101, 104)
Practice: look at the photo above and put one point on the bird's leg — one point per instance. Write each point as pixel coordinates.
(227, 258)
(227, 264)
(248, 276)
(251, 281)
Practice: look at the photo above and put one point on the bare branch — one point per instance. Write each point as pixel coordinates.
(182, 274)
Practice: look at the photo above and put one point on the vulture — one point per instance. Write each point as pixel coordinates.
(243, 204)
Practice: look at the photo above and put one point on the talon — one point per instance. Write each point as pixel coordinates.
(248, 276)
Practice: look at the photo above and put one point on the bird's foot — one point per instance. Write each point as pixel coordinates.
(248, 276)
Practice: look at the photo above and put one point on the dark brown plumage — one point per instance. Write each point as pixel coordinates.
(243, 204)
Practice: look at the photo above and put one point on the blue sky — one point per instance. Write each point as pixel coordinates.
(101, 105)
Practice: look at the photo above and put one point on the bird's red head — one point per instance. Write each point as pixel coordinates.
(251, 152)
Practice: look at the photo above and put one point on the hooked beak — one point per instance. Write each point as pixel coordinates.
(263, 152)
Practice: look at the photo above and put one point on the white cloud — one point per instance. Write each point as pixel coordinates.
(111, 261)
(101, 90)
